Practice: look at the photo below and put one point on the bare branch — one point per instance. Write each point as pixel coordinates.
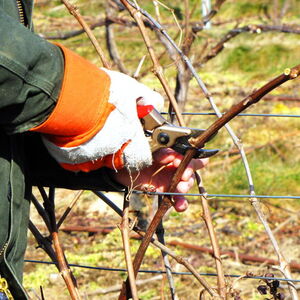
(43, 242)
(110, 40)
(157, 68)
(237, 142)
(142, 249)
(69, 208)
(249, 28)
(242, 257)
(160, 232)
(125, 238)
(74, 11)
(156, 243)
(213, 238)
(61, 260)
(199, 142)
(56, 253)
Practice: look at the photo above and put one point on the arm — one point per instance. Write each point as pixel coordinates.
(80, 109)
(48, 89)
(28, 90)
(31, 77)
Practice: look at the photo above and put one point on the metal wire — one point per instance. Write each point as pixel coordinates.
(193, 195)
(163, 272)
(239, 115)
(219, 195)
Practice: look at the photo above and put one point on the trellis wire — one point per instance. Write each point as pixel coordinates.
(239, 115)
(208, 195)
(254, 201)
(99, 194)
(217, 195)
(163, 272)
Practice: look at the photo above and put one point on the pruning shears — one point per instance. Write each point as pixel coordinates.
(163, 134)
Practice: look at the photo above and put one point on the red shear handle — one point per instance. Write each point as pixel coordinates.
(144, 110)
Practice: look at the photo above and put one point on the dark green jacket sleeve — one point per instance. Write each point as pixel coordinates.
(31, 71)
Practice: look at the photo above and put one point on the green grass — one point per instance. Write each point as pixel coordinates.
(236, 9)
(271, 174)
(267, 59)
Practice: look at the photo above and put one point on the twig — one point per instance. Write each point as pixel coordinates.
(158, 71)
(159, 74)
(256, 29)
(156, 243)
(242, 257)
(74, 11)
(43, 242)
(237, 142)
(69, 208)
(199, 142)
(62, 263)
(160, 231)
(46, 243)
(213, 238)
(221, 279)
(99, 23)
(141, 251)
(173, 15)
(125, 238)
(42, 293)
(138, 69)
(110, 40)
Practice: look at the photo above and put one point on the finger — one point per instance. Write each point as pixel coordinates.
(181, 204)
(193, 166)
(196, 164)
(199, 163)
(164, 156)
(168, 155)
(188, 173)
(185, 186)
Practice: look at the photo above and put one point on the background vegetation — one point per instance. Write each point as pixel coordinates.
(272, 143)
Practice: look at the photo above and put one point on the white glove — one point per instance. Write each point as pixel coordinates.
(122, 129)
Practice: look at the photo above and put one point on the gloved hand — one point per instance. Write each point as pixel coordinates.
(95, 122)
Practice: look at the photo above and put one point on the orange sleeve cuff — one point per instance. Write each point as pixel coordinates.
(82, 107)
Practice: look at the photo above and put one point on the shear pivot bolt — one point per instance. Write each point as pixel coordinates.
(163, 138)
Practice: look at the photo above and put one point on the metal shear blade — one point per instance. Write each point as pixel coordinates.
(163, 134)
(182, 144)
